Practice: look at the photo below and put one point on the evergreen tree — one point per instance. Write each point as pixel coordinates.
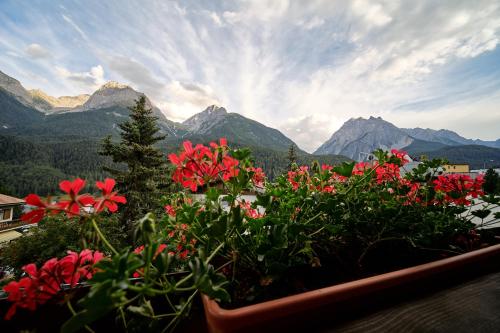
(292, 156)
(491, 182)
(145, 173)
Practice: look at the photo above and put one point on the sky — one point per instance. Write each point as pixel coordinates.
(303, 67)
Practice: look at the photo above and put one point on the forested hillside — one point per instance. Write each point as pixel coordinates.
(474, 155)
(37, 164)
(27, 166)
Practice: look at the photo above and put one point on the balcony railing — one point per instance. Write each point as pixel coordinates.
(12, 224)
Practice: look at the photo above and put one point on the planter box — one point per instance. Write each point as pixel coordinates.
(293, 311)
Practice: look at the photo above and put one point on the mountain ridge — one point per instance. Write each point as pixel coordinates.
(359, 136)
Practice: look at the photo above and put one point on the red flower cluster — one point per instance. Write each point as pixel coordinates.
(170, 210)
(387, 172)
(139, 251)
(401, 155)
(302, 177)
(180, 245)
(258, 177)
(412, 192)
(77, 203)
(458, 189)
(299, 176)
(41, 285)
(249, 211)
(361, 167)
(201, 165)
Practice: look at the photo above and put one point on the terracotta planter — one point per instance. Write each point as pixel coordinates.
(290, 312)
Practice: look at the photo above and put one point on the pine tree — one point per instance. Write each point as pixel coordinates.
(292, 157)
(145, 173)
(491, 182)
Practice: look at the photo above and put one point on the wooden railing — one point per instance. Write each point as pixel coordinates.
(11, 224)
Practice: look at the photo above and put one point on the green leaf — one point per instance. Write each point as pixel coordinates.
(145, 309)
(213, 194)
(345, 169)
(241, 154)
(483, 213)
(208, 281)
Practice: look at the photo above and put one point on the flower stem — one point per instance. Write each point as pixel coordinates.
(73, 312)
(103, 238)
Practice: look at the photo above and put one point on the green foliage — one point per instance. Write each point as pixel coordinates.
(163, 276)
(145, 174)
(491, 182)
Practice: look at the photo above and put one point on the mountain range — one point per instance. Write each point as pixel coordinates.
(33, 121)
(96, 115)
(68, 130)
(358, 137)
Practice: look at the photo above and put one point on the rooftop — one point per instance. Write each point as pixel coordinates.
(8, 200)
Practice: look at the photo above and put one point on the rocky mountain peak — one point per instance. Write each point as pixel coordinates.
(214, 109)
(206, 119)
(113, 85)
(112, 94)
(14, 87)
(360, 135)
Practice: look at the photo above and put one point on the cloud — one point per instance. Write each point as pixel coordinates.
(372, 13)
(308, 130)
(186, 99)
(136, 73)
(313, 23)
(90, 80)
(36, 51)
(75, 26)
(215, 18)
(304, 67)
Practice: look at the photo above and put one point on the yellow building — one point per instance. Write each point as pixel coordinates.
(456, 168)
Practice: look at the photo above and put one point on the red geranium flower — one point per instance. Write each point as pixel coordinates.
(109, 199)
(35, 215)
(170, 210)
(76, 201)
(401, 155)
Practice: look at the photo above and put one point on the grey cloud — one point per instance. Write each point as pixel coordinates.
(135, 72)
(192, 93)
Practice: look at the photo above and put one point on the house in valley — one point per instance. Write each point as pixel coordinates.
(8, 205)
